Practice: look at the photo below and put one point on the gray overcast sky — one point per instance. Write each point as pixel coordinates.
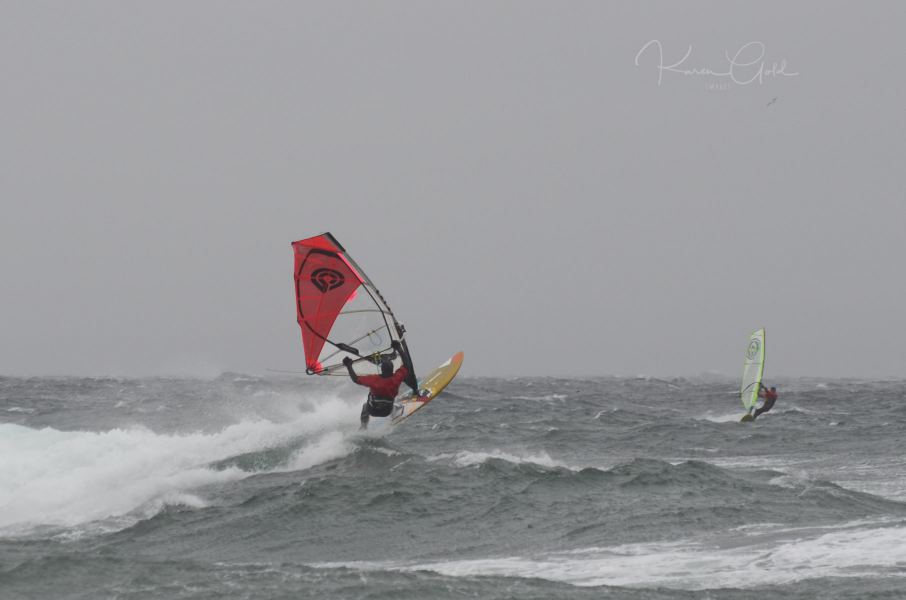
(516, 186)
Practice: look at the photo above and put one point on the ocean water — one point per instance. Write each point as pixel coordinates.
(638, 488)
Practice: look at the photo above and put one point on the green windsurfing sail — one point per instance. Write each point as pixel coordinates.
(752, 371)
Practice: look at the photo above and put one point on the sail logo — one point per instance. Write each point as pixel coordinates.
(752, 350)
(327, 279)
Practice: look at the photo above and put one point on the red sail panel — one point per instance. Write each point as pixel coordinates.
(325, 282)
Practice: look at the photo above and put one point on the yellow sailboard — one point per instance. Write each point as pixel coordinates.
(428, 389)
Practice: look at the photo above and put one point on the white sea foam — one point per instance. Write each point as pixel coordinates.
(723, 418)
(467, 458)
(544, 398)
(773, 462)
(50, 477)
(696, 565)
(330, 446)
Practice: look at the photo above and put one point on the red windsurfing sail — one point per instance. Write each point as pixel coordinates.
(339, 309)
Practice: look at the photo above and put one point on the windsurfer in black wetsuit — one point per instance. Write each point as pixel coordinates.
(770, 397)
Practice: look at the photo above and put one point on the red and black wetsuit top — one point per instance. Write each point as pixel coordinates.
(385, 388)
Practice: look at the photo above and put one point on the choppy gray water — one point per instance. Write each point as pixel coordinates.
(243, 487)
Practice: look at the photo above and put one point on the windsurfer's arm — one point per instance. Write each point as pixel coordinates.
(348, 362)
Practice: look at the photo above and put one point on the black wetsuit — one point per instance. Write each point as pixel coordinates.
(375, 407)
(769, 400)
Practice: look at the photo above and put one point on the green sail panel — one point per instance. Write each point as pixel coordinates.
(752, 370)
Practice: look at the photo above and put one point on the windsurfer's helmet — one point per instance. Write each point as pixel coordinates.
(386, 367)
